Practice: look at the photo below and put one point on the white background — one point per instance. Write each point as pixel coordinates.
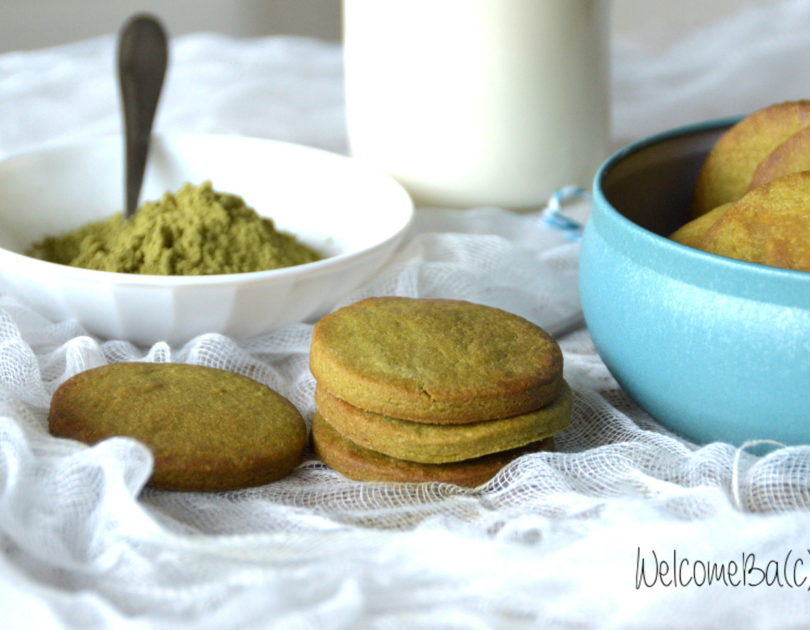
(26, 24)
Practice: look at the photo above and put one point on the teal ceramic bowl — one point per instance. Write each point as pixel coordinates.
(713, 348)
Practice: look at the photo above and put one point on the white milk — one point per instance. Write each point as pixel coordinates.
(478, 102)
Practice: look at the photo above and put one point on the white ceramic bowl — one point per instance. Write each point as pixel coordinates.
(354, 215)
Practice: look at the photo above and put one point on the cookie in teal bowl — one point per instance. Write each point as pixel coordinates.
(713, 348)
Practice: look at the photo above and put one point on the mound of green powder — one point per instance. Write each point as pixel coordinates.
(195, 231)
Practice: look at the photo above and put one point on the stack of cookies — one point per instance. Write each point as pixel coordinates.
(433, 390)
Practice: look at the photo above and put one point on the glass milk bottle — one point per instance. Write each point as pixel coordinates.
(478, 102)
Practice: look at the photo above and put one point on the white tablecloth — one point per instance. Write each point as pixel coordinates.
(556, 540)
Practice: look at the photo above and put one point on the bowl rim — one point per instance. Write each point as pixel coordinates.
(330, 263)
(688, 254)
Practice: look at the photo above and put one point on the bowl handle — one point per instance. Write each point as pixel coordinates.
(553, 215)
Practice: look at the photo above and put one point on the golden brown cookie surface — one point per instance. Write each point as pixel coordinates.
(792, 156)
(435, 360)
(357, 462)
(442, 443)
(770, 225)
(730, 165)
(208, 429)
(693, 233)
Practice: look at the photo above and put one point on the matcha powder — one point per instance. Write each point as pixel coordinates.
(195, 231)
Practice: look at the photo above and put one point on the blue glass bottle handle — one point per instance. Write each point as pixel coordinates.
(553, 215)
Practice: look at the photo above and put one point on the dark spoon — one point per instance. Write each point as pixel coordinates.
(142, 59)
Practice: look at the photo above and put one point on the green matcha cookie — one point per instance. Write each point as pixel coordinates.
(438, 361)
(208, 429)
(441, 443)
(363, 464)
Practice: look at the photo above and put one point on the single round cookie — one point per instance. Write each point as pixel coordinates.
(435, 360)
(208, 429)
(442, 443)
(363, 464)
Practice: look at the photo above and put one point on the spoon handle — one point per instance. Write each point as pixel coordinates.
(142, 58)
